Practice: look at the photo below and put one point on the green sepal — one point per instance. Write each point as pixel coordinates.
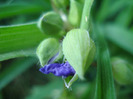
(79, 50)
(122, 71)
(70, 80)
(47, 49)
(51, 24)
(75, 13)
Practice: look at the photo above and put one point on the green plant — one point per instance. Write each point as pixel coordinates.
(79, 34)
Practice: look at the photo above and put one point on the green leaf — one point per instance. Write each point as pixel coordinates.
(51, 23)
(104, 83)
(17, 53)
(45, 91)
(120, 36)
(47, 49)
(107, 11)
(76, 48)
(20, 8)
(16, 68)
(125, 17)
(19, 38)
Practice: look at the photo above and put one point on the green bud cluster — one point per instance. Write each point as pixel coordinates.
(122, 70)
(77, 46)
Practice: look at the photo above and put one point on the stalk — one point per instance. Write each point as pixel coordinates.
(86, 14)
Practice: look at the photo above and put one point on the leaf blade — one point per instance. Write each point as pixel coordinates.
(104, 82)
(20, 8)
(19, 38)
(120, 36)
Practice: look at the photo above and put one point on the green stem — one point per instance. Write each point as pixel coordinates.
(86, 14)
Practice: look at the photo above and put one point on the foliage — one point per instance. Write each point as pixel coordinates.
(36, 32)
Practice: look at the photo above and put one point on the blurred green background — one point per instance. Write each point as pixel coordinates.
(20, 78)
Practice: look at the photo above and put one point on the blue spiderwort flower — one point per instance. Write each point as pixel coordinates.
(64, 69)
(49, 51)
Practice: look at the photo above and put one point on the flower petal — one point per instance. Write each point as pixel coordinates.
(64, 69)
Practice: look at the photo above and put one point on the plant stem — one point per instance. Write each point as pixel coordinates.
(86, 14)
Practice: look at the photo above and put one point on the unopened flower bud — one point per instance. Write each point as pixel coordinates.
(51, 24)
(47, 49)
(75, 13)
(122, 71)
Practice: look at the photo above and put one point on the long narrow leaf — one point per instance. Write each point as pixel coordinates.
(107, 10)
(18, 39)
(120, 36)
(125, 17)
(21, 8)
(18, 53)
(104, 83)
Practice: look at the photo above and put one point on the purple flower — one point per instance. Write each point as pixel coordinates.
(64, 69)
